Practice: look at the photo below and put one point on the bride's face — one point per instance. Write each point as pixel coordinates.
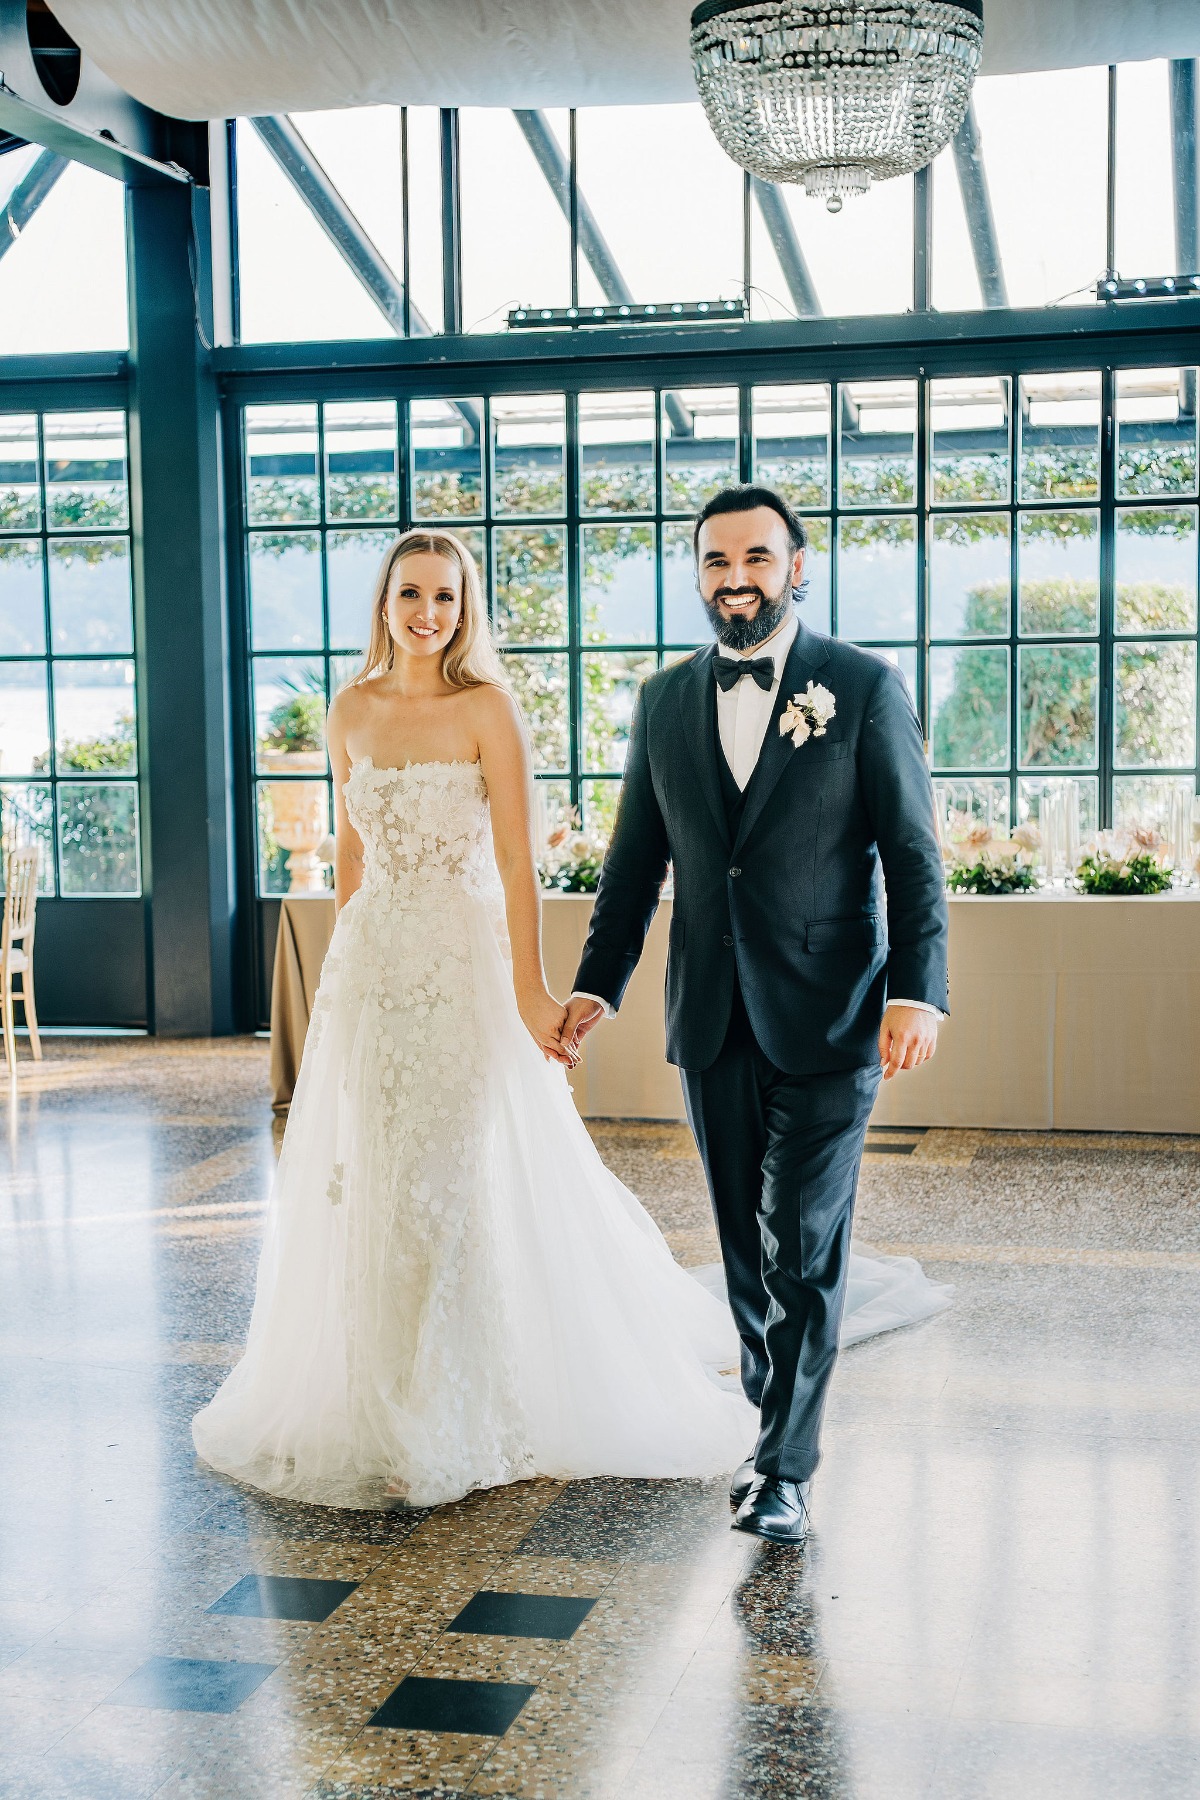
(424, 603)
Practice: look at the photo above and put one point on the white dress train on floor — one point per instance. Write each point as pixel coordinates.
(454, 1291)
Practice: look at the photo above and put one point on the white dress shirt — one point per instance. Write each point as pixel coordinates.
(743, 715)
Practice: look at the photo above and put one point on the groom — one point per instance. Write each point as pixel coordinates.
(781, 774)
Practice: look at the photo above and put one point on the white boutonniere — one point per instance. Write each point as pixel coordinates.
(806, 715)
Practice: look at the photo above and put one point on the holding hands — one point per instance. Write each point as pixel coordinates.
(545, 1019)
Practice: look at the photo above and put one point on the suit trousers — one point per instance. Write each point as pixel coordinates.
(781, 1155)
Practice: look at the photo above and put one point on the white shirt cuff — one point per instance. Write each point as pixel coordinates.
(610, 1012)
(917, 1005)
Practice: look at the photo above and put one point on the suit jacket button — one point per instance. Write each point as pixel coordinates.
(728, 943)
(735, 871)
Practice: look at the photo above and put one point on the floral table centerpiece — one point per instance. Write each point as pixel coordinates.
(1125, 862)
(977, 862)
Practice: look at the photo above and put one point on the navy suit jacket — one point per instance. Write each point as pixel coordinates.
(794, 897)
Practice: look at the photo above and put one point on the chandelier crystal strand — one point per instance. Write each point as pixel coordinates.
(834, 96)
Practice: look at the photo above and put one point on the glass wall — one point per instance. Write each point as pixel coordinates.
(1037, 592)
(68, 697)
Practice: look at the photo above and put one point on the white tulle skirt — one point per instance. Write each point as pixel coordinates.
(454, 1291)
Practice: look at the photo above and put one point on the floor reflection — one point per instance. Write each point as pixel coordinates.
(999, 1596)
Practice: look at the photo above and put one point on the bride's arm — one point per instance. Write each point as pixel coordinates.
(347, 845)
(508, 771)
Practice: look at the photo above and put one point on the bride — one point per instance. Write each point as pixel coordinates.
(454, 1291)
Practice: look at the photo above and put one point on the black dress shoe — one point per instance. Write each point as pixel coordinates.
(743, 1481)
(776, 1510)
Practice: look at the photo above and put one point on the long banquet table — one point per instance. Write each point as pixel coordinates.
(1069, 1012)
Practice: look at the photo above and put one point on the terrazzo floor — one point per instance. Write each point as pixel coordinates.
(999, 1597)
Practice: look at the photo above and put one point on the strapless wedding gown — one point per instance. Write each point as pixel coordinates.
(454, 1291)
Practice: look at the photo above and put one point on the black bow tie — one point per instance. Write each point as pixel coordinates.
(730, 669)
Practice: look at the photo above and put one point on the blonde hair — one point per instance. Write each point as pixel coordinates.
(470, 659)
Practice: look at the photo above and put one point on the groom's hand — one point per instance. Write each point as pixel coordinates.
(582, 1014)
(907, 1038)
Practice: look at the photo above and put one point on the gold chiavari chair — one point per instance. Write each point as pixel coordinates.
(16, 950)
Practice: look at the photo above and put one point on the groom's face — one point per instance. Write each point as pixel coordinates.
(746, 571)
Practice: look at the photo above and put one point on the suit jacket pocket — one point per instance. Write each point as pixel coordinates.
(864, 932)
(813, 750)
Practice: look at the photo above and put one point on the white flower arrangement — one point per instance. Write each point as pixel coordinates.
(979, 863)
(806, 715)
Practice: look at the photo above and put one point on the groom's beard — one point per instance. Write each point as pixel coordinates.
(741, 633)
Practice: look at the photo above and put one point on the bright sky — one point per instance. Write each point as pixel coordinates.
(666, 198)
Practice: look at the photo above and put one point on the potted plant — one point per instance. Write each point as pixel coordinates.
(294, 741)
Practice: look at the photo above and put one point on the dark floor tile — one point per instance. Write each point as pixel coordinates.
(185, 1684)
(429, 1703)
(877, 1149)
(523, 1615)
(638, 1521)
(302, 1597)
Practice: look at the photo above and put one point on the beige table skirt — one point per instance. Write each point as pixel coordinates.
(1069, 1013)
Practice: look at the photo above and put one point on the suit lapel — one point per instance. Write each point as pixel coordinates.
(697, 713)
(804, 658)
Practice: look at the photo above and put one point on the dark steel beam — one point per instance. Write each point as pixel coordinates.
(556, 167)
(28, 195)
(802, 289)
(451, 223)
(977, 204)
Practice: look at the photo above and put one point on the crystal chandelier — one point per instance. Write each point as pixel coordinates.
(831, 95)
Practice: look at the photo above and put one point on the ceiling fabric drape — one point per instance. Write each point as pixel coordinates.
(198, 59)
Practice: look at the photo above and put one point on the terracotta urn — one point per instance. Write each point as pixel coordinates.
(299, 816)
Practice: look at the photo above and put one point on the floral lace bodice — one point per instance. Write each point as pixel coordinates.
(424, 826)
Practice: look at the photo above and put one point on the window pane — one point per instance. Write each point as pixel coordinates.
(20, 501)
(98, 838)
(660, 164)
(62, 281)
(878, 437)
(1044, 139)
(531, 584)
(425, 214)
(552, 802)
(1058, 573)
(352, 564)
(1156, 568)
(616, 449)
(1155, 705)
(904, 658)
(529, 454)
(1156, 431)
(700, 446)
(289, 713)
(877, 577)
(814, 582)
(969, 575)
(684, 618)
(542, 688)
(791, 442)
(860, 261)
(968, 439)
(961, 804)
(91, 606)
(24, 719)
(1063, 807)
(600, 802)
(281, 465)
(293, 822)
(22, 603)
(447, 471)
(294, 284)
(1058, 700)
(1145, 216)
(618, 583)
(27, 817)
(610, 686)
(95, 717)
(361, 479)
(86, 485)
(1155, 802)
(285, 590)
(1060, 437)
(516, 239)
(969, 707)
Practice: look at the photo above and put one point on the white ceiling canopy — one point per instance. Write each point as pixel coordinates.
(200, 59)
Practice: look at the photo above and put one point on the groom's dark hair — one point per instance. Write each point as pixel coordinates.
(744, 498)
